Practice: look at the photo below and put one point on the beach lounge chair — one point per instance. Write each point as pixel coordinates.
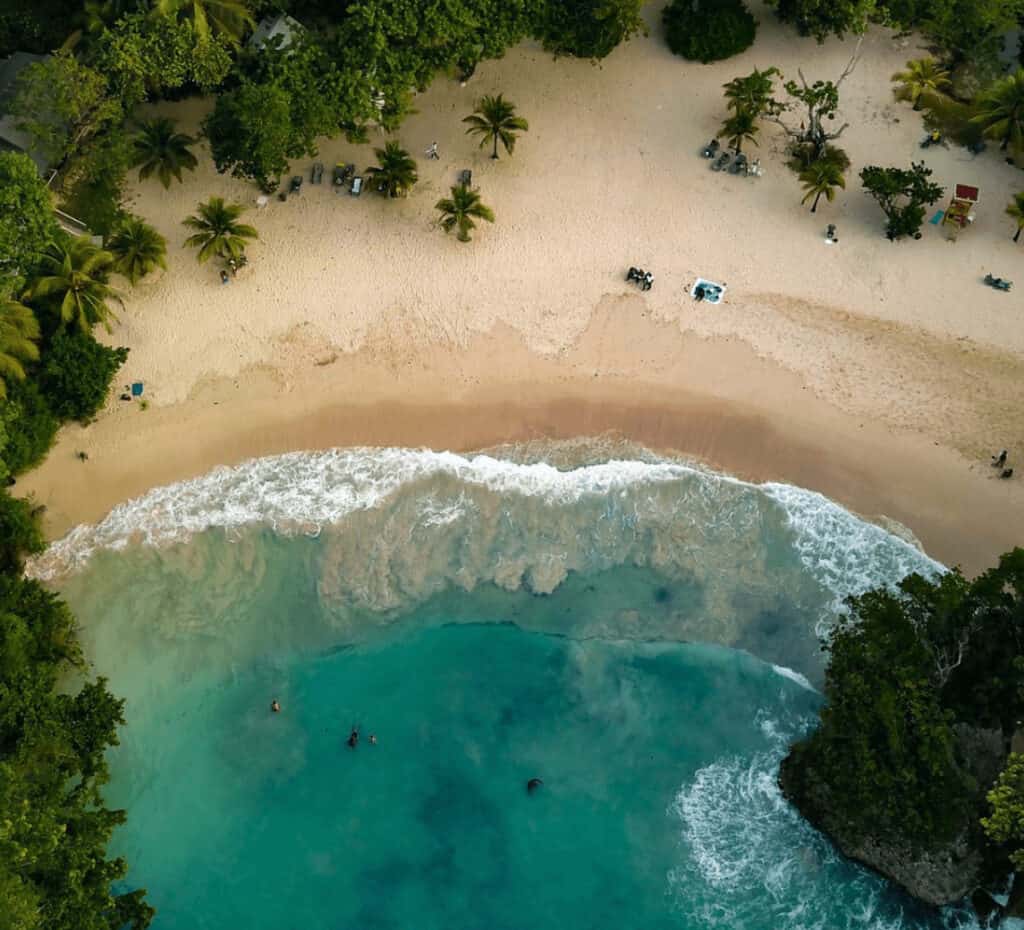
(719, 163)
(465, 177)
(357, 186)
(316, 175)
(296, 185)
(754, 168)
(338, 175)
(711, 149)
(739, 166)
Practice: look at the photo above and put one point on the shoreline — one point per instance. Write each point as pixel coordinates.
(713, 401)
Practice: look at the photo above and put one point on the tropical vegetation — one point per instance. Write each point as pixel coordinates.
(1015, 210)
(158, 149)
(218, 234)
(395, 174)
(902, 194)
(138, 249)
(708, 30)
(738, 128)
(73, 279)
(19, 337)
(460, 210)
(918, 673)
(1000, 111)
(923, 79)
(821, 179)
(494, 120)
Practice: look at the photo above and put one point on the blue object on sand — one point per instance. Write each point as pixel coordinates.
(935, 220)
(136, 389)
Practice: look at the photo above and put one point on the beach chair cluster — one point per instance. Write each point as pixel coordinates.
(733, 162)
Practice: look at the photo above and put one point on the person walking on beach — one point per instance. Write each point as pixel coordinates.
(432, 152)
(998, 461)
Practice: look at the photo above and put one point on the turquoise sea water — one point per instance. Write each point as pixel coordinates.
(641, 635)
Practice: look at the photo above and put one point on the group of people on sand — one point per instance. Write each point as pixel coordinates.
(353, 736)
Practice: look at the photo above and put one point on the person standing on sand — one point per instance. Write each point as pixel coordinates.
(432, 152)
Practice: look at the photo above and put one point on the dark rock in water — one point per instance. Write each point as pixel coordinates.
(937, 875)
(988, 909)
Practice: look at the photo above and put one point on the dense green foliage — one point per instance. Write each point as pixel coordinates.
(138, 249)
(77, 373)
(902, 194)
(1005, 823)
(1000, 112)
(19, 335)
(708, 30)
(159, 149)
(30, 426)
(905, 667)
(26, 220)
(588, 28)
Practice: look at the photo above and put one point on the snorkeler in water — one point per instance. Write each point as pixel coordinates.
(275, 707)
(353, 738)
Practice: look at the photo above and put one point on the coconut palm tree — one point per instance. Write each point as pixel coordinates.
(158, 148)
(742, 125)
(397, 171)
(1000, 111)
(19, 333)
(74, 278)
(823, 177)
(227, 18)
(1016, 210)
(923, 78)
(495, 120)
(459, 211)
(137, 248)
(218, 232)
(752, 92)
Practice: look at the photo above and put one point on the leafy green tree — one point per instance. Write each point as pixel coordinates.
(1015, 210)
(589, 28)
(460, 210)
(77, 374)
(902, 194)
(218, 234)
(62, 104)
(923, 79)
(73, 277)
(27, 222)
(494, 120)
(817, 103)
(1001, 111)
(138, 249)
(824, 18)
(229, 19)
(20, 536)
(396, 170)
(752, 93)
(19, 335)
(1005, 825)
(708, 30)
(250, 133)
(93, 188)
(822, 178)
(739, 128)
(30, 425)
(972, 30)
(145, 55)
(158, 149)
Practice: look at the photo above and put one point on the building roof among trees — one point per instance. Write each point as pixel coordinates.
(271, 27)
(12, 138)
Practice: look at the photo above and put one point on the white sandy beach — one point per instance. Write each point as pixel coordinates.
(887, 370)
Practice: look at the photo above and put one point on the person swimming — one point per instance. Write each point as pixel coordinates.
(353, 738)
(373, 740)
(275, 707)
(533, 784)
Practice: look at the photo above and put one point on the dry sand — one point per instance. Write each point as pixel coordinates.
(881, 374)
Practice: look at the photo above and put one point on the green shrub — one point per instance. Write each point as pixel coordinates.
(31, 426)
(20, 534)
(589, 28)
(708, 30)
(77, 372)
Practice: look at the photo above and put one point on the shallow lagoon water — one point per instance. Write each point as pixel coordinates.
(641, 635)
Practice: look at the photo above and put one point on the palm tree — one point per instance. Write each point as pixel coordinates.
(1016, 210)
(458, 211)
(218, 232)
(924, 78)
(227, 18)
(1000, 111)
(397, 171)
(77, 277)
(822, 177)
(752, 92)
(742, 125)
(495, 120)
(19, 333)
(137, 248)
(159, 148)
